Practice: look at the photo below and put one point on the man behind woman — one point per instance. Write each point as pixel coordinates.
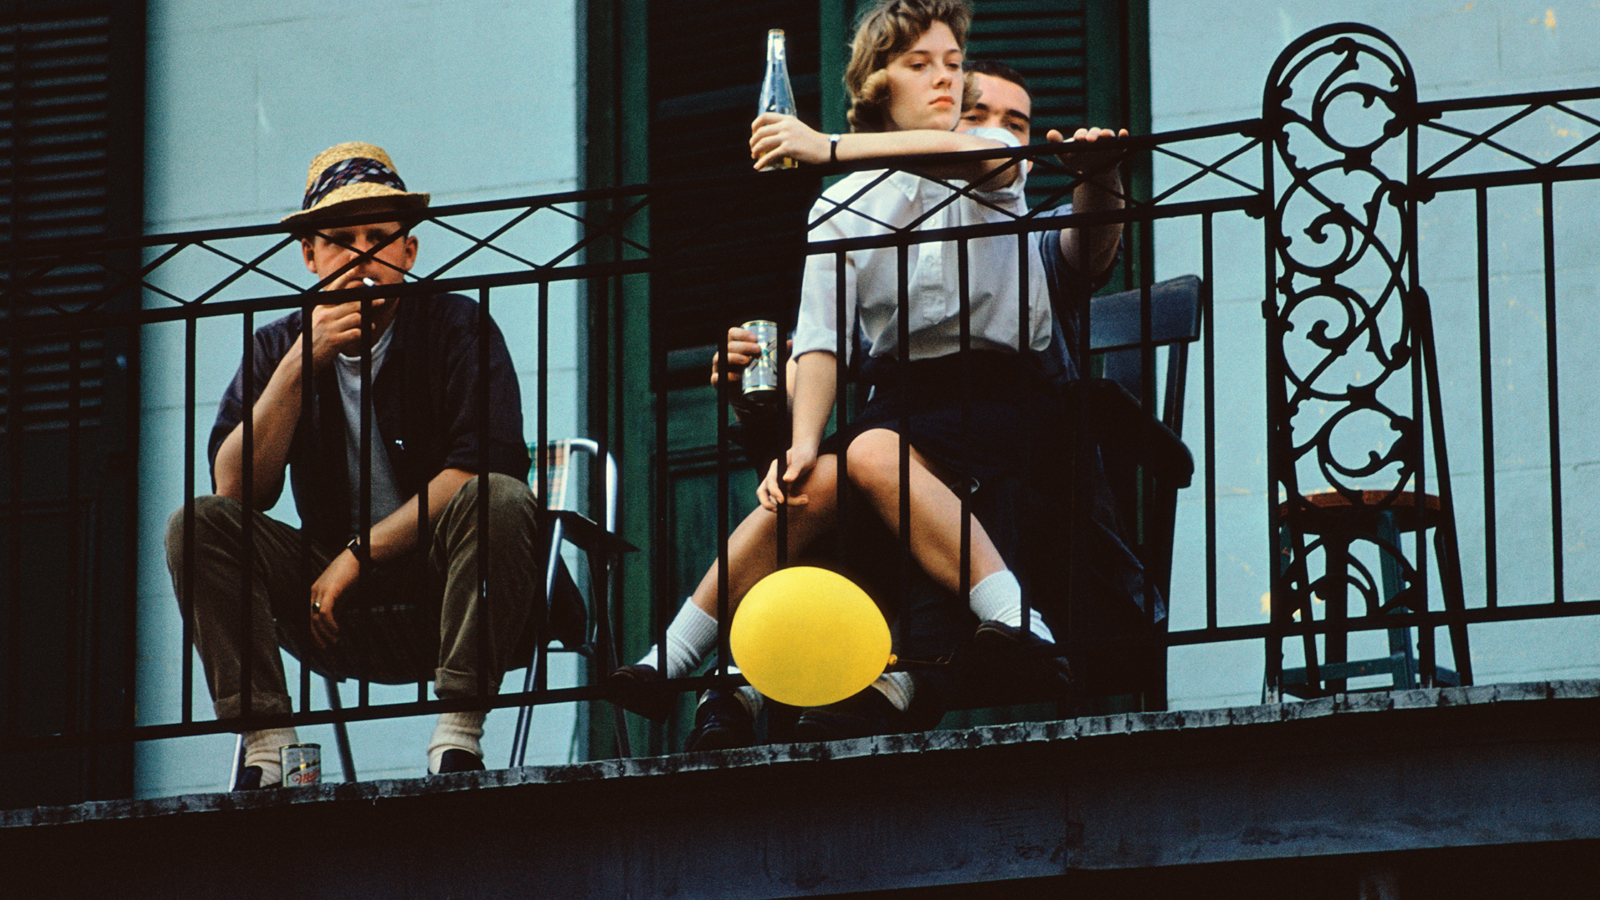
(907, 89)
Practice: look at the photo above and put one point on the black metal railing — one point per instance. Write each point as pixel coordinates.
(1322, 195)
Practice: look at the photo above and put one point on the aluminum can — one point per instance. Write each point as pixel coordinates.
(302, 764)
(760, 381)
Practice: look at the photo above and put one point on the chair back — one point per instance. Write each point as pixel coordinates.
(565, 488)
(1123, 351)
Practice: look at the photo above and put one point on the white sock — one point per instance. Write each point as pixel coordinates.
(456, 731)
(897, 688)
(751, 698)
(261, 748)
(690, 637)
(999, 598)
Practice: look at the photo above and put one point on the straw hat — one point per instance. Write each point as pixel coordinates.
(353, 178)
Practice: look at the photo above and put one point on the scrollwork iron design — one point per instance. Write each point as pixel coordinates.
(1345, 407)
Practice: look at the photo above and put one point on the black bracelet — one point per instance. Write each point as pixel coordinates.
(833, 148)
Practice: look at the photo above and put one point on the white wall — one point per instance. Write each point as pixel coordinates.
(1210, 64)
(474, 100)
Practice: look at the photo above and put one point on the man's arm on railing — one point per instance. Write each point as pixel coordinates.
(1091, 251)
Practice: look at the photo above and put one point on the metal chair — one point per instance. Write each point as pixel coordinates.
(564, 498)
(1336, 524)
(1139, 429)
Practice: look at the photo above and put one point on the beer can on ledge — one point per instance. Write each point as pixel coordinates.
(760, 381)
(302, 764)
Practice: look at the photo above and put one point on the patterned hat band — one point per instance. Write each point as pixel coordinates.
(356, 169)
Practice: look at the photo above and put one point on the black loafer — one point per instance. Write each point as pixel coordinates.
(637, 689)
(859, 715)
(721, 722)
(454, 760)
(1024, 656)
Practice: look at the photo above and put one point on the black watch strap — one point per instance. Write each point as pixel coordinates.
(359, 551)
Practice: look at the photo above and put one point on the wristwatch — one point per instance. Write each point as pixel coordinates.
(359, 551)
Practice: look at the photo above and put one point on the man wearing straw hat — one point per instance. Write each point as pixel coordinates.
(382, 580)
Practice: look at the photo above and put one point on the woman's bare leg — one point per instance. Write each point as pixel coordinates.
(753, 545)
(874, 468)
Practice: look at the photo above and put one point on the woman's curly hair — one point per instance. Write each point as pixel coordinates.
(886, 31)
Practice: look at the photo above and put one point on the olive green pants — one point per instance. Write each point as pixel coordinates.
(418, 617)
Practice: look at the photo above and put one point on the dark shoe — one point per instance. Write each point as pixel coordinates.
(721, 722)
(860, 715)
(638, 689)
(248, 779)
(454, 760)
(1024, 656)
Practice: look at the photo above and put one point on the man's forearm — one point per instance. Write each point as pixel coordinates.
(396, 534)
(275, 415)
(1092, 249)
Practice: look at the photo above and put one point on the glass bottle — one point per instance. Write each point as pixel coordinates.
(776, 93)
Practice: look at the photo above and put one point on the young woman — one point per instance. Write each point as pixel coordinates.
(907, 87)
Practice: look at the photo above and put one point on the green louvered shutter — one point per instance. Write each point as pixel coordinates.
(71, 164)
(1045, 42)
(707, 58)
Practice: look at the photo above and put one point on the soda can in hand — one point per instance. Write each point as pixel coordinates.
(760, 380)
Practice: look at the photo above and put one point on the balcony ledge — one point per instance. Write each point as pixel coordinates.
(1355, 774)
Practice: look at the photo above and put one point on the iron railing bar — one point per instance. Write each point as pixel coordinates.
(1430, 187)
(484, 538)
(1486, 391)
(1477, 139)
(1473, 616)
(1208, 374)
(191, 343)
(247, 401)
(1224, 634)
(479, 243)
(306, 560)
(1553, 395)
(1431, 109)
(371, 712)
(589, 270)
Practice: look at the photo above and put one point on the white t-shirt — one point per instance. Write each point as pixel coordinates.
(903, 201)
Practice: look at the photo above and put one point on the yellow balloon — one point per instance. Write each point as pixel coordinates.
(809, 637)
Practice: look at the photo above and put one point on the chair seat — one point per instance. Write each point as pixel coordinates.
(1360, 510)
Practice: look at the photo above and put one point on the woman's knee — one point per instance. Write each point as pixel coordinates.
(873, 460)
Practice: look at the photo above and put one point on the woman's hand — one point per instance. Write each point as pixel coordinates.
(790, 488)
(774, 136)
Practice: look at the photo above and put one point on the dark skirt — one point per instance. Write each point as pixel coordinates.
(1005, 432)
(981, 415)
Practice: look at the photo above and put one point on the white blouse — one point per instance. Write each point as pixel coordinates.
(871, 276)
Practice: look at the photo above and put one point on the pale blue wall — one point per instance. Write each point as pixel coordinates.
(1209, 64)
(475, 100)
